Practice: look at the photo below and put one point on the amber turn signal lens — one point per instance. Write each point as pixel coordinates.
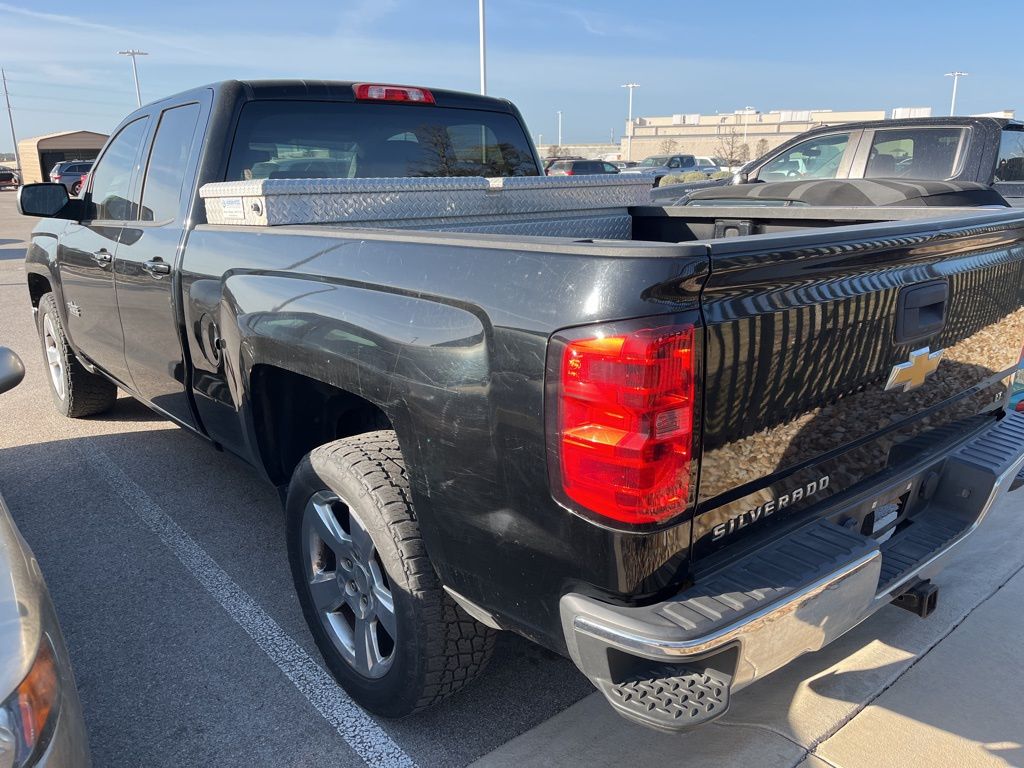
(36, 696)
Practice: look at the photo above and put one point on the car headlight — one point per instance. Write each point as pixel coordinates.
(29, 714)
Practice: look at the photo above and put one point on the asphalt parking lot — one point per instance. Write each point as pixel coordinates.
(166, 563)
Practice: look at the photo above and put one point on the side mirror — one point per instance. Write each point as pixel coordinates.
(12, 370)
(740, 178)
(48, 201)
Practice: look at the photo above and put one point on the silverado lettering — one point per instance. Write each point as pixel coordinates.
(743, 519)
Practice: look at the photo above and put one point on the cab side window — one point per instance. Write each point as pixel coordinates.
(1010, 163)
(168, 160)
(915, 153)
(109, 195)
(817, 158)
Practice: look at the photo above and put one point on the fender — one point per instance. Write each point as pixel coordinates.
(423, 362)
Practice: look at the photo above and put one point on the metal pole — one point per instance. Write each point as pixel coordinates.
(10, 119)
(132, 53)
(956, 78)
(483, 53)
(559, 127)
(135, 74)
(629, 136)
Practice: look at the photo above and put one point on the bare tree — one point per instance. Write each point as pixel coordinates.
(668, 146)
(728, 147)
(744, 153)
(762, 147)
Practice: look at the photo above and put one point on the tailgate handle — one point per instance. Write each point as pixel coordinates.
(921, 311)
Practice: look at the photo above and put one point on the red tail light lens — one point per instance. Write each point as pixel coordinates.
(623, 427)
(380, 92)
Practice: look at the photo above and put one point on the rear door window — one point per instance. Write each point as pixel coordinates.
(914, 153)
(168, 160)
(299, 139)
(817, 158)
(1010, 163)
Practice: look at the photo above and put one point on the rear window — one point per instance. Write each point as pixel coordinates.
(1010, 164)
(914, 153)
(324, 140)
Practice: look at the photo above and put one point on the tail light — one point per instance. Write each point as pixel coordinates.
(381, 92)
(621, 432)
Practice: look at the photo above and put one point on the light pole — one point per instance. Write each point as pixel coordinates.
(135, 72)
(559, 128)
(746, 113)
(10, 119)
(629, 136)
(956, 78)
(483, 53)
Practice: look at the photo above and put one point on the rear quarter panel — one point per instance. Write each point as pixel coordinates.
(448, 336)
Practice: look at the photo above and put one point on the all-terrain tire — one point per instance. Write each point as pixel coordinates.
(76, 392)
(439, 648)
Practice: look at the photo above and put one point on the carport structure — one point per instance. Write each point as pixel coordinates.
(38, 155)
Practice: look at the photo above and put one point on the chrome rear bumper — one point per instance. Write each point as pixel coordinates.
(674, 664)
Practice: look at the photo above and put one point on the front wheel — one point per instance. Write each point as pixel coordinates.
(76, 392)
(390, 635)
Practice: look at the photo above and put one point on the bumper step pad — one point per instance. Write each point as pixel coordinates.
(671, 698)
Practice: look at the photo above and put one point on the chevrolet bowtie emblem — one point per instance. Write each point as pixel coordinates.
(908, 376)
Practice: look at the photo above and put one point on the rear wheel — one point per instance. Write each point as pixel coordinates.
(76, 188)
(76, 392)
(389, 633)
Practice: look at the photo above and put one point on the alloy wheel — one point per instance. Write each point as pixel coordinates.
(348, 585)
(54, 358)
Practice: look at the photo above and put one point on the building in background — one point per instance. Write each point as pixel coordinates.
(735, 136)
(38, 155)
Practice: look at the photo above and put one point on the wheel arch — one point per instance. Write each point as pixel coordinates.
(314, 413)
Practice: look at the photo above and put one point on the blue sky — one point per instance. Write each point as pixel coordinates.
(545, 56)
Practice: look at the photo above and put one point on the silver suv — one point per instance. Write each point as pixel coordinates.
(70, 173)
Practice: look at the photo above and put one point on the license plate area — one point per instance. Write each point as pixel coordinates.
(881, 516)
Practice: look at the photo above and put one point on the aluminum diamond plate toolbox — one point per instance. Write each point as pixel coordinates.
(464, 203)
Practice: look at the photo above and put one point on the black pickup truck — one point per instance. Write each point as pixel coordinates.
(982, 150)
(682, 455)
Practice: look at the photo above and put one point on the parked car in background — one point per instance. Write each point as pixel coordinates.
(580, 168)
(710, 165)
(70, 173)
(662, 165)
(623, 164)
(549, 161)
(9, 178)
(40, 714)
(986, 150)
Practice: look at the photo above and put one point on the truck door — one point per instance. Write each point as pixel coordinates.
(144, 269)
(86, 251)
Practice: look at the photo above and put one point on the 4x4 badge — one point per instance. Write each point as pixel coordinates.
(911, 375)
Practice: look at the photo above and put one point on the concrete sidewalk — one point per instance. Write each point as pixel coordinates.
(895, 691)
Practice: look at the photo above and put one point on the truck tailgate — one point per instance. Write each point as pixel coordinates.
(838, 358)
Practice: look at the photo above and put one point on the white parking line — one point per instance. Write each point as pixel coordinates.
(355, 726)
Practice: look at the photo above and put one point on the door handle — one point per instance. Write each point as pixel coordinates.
(156, 268)
(102, 257)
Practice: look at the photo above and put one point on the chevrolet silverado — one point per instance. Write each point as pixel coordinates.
(681, 445)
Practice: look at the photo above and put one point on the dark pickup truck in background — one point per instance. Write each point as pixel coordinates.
(986, 150)
(683, 454)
